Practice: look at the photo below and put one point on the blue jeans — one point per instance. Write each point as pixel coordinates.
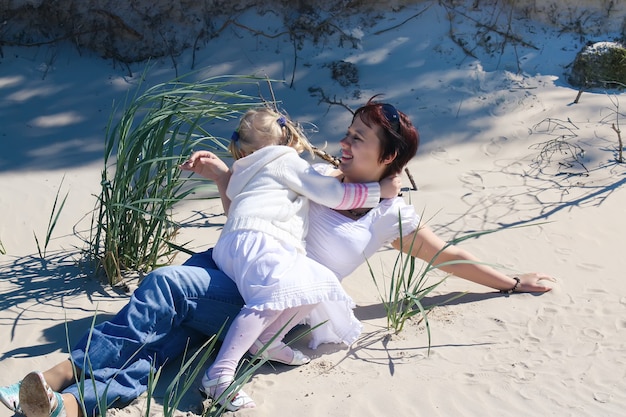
(173, 306)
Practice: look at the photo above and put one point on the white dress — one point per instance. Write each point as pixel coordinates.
(281, 277)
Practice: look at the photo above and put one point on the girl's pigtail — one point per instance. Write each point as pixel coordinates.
(326, 156)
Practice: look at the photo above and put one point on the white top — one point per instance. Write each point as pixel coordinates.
(342, 244)
(329, 230)
(270, 191)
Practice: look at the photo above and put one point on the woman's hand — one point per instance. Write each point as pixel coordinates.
(532, 282)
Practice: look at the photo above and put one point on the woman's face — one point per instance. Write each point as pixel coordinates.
(360, 153)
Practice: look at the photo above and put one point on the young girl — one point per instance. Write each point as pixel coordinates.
(262, 246)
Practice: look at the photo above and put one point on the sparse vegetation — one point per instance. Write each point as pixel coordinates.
(141, 182)
(561, 150)
(193, 363)
(601, 64)
(615, 126)
(52, 222)
(133, 32)
(345, 73)
(410, 282)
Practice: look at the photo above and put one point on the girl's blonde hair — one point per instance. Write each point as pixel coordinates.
(263, 127)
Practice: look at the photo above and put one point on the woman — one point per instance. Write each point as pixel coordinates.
(189, 302)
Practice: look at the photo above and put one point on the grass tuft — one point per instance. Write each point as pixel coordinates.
(192, 365)
(410, 283)
(52, 222)
(132, 224)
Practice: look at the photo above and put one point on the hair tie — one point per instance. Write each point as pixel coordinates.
(235, 136)
(282, 121)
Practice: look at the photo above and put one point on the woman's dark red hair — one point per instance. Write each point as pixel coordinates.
(399, 140)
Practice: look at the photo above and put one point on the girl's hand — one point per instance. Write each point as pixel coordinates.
(208, 165)
(390, 186)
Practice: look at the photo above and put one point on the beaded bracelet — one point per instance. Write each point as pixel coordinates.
(517, 282)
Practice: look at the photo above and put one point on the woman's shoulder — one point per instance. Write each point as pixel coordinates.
(394, 214)
(392, 205)
(397, 209)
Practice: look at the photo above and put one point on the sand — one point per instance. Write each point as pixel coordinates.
(486, 161)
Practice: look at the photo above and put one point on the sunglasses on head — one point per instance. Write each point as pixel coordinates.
(391, 114)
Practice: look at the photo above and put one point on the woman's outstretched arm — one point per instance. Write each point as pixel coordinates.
(424, 244)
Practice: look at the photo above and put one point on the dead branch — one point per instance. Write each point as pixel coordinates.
(119, 22)
(325, 99)
(494, 29)
(580, 93)
(413, 185)
(54, 40)
(460, 43)
(326, 156)
(617, 130)
(402, 23)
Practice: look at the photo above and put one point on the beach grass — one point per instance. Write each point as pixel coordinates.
(193, 363)
(411, 281)
(182, 382)
(57, 208)
(132, 223)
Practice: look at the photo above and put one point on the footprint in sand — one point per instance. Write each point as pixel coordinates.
(541, 326)
(563, 251)
(590, 267)
(441, 154)
(593, 334)
(495, 144)
(473, 181)
(602, 397)
(514, 170)
(582, 348)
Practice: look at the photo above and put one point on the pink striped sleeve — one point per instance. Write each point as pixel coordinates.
(357, 195)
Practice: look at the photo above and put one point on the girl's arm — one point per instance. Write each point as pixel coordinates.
(209, 166)
(427, 244)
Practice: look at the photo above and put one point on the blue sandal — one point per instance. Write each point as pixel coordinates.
(10, 396)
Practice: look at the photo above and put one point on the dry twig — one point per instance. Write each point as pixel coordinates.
(620, 144)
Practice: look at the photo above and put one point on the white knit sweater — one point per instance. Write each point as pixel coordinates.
(269, 191)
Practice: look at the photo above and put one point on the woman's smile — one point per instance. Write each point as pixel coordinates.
(360, 150)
